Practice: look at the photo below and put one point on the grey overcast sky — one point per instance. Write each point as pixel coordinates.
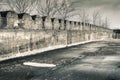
(109, 8)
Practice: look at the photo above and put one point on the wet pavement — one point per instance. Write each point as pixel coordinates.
(92, 61)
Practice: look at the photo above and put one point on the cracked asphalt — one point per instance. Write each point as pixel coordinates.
(92, 61)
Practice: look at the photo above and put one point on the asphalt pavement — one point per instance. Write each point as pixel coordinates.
(92, 61)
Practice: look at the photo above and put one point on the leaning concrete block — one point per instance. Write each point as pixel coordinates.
(37, 22)
(56, 24)
(12, 20)
(48, 23)
(25, 21)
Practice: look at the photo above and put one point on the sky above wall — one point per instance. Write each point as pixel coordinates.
(109, 8)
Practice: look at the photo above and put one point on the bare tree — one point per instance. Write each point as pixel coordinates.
(54, 8)
(96, 17)
(84, 16)
(21, 6)
(67, 10)
(106, 22)
(47, 7)
(99, 20)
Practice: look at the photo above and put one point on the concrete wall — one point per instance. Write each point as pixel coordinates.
(37, 22)
(22, 32)
(34, 39)
(11, 20)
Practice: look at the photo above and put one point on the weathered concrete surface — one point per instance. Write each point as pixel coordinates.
(93, 61)
(19, 41)
(37, 51)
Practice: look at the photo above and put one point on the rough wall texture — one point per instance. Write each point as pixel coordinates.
(25, 40)
(22, 32)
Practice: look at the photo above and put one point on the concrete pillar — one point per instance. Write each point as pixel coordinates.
(61, 24)
(68, 25)
(0, 21)
(90, 27)
(37, 22)
(79, 26)
(87, 26)
(48, 23)
(65, 24)
(72, 25)
(25, 21)
(12, 20)
(4, 19)
(83, 26)
(56, 24)
(75, 25)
